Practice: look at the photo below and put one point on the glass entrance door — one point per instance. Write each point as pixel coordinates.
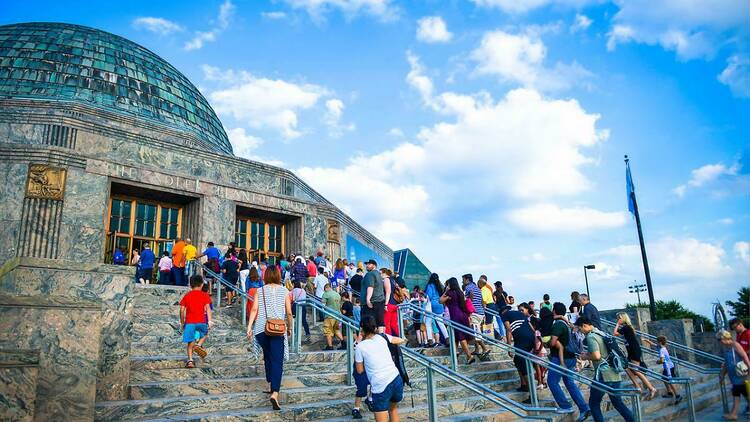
(262, 239)
(134, 222)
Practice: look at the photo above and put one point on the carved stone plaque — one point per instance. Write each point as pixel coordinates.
(45, 182)
(334, 231)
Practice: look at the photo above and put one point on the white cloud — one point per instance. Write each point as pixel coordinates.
(332, 118)
(523, 6)
(519, 58)
(522, 147)
(687, 257)
(581, 23)
(159, 26)
(448, 236)
(261, 102)
(550, 218)
(226, 11)
(726, 221)
(535, 257)
(562, 274)
(317, 9)
(274, 15)
(691, 28)
(432, 29)
(737, 75)
(705, 175)
(396, 132)
(243, 144)
(742, 249)
(681, 257)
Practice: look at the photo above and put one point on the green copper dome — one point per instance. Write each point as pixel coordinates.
(57, 61)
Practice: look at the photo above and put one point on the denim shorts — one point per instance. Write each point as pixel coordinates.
(393, 393)
(189, 334)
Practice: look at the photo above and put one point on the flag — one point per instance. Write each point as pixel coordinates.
(630, 188)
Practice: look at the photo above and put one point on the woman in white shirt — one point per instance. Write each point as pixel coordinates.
(372, 356)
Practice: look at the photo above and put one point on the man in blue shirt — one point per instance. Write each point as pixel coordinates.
(147, 263)
(471, 291)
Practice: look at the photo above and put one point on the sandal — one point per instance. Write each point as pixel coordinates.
(190, 364)
(200, 351)
(653, 394)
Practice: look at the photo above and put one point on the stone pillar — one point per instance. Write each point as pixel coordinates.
(82, 234)
(217, 218)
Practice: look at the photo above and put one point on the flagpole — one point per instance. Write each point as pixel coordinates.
(631, 193)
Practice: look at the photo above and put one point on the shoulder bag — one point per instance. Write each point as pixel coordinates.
(274, 327)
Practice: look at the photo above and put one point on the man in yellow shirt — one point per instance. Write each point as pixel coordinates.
(190, 251)
(487, 300)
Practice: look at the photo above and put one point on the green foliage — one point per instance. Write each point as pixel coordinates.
(674, 310)
(741, 308)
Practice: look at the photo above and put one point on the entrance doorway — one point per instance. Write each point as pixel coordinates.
(265, 235)
(138, 216)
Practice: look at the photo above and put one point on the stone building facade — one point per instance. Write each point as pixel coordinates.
(104, 145)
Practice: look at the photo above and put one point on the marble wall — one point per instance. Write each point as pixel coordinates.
(66, 332)
(109, 287)
(12, 192)
(84, 213)
(18, 383)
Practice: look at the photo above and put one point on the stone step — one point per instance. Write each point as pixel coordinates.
(173, 406)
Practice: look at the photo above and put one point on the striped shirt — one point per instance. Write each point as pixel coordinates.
(476, 297)
(275, 301)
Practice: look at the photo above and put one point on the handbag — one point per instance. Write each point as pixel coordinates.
(740, 368)
(274, 327)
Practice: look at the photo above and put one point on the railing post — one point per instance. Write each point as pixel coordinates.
(636, 407)
(690, 404)
(724, 401)
(297, 334)
(349, 355)
(400, 316)
(531, 378)
(431, 396)
(217, 283)
(452, 347)
(244, 309)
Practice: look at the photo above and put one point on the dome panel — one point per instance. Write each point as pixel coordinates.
(57, 61)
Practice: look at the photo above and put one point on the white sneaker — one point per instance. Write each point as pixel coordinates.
(563, 411)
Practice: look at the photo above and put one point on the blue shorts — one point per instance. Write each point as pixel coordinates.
(361, 381)
(393, 393)
(189, 334)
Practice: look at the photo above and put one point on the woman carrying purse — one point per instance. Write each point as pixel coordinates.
(271, 315)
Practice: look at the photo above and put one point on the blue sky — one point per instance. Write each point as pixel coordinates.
(488, 135)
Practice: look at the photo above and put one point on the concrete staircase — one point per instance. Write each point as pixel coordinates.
(229, 384)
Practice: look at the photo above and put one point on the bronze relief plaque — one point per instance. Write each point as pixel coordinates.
(45, 182)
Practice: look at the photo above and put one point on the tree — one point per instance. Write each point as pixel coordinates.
(674, 310)
(741, 308)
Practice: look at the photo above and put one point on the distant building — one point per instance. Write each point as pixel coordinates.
(411, 268)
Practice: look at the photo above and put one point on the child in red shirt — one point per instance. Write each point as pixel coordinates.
(195, 317)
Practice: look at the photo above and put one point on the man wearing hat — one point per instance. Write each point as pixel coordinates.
(372, 295)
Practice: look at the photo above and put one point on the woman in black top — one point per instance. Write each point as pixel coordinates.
(624, 328)
(231, 273)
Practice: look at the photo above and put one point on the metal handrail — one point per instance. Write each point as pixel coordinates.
(431, 366)
(222, 281)
(530, 359)
(685, 381)
(678, 346)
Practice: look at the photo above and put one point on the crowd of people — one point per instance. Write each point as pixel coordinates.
(569, 336)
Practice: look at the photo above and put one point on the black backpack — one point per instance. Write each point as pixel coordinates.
(398, 359)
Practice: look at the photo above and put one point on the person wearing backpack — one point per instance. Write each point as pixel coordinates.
(564, 346)
(373, 356)
(608, 364)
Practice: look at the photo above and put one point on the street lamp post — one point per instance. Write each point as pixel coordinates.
(585, 276)
(637, 289)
